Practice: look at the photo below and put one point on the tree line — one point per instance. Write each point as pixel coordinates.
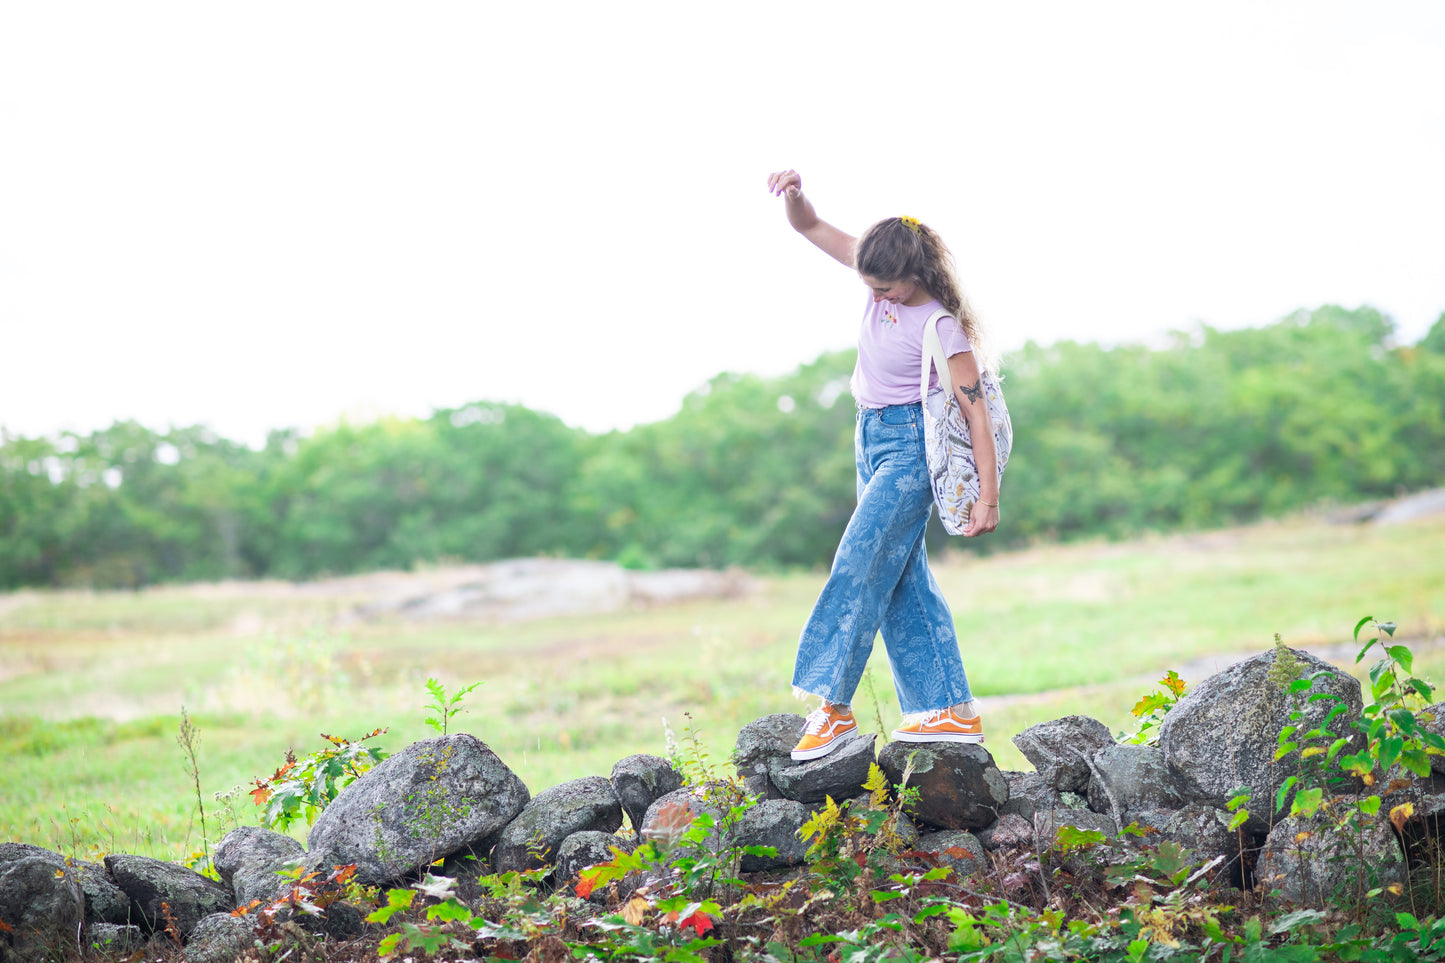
(1217, 427)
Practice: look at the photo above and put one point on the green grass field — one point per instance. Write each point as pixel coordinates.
(92, 685)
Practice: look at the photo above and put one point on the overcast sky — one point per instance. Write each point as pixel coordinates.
(265, 215)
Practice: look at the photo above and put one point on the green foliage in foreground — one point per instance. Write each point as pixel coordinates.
(1220, 427)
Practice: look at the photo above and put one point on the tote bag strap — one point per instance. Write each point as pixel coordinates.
(933, 356)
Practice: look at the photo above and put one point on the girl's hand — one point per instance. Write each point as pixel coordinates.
(785, 183)
(981, 519)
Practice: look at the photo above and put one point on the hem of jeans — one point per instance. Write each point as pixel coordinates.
(918, 715)
(803, 695)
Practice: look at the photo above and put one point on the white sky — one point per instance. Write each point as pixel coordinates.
(268, 214)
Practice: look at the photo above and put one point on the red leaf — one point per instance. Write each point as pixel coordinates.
(699, 921)
(585, 885)
(261, 793)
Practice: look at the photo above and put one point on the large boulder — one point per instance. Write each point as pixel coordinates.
(775, 823)
(188, 896)
(1311, 862)
(641, 780)
(764, 746)
(1060, 750)
(1129, 779)
(1223, 734)
(839, 775)
(959, 787)
(249, 858)
(104, 901)
(433, 798)
(42, 906)
(530, 841)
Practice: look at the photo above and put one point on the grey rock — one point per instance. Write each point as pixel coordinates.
(104, 901)
(588, 848)
(1129, 779)
(641, 780)
(1011, 830)
(14, 852)
(661, 824)
(1223, 734)
(111, 938)
(530, 841)
(959, 787)
(433, 798)
(43, 905)
(1060, 750)
(1202, 830)
(775, 823)
(839, 775)
(150, 882)
(764, 746)
(1047, 824)
(1028, 793)
(957, 849)
(760, 786)
(220, 938)
(1437, 726)
(1320, 868)
(341, 921)
(248, 859)
(1413, 507)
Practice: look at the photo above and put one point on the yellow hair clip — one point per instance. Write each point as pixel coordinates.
(911, 223)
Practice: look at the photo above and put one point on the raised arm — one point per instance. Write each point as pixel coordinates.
(831, 241)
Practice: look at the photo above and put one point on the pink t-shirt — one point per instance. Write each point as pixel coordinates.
(890, 352)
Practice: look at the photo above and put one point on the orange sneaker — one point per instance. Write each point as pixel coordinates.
(827, 728)
(941, 725)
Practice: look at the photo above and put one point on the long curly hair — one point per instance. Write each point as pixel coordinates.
(898, 249)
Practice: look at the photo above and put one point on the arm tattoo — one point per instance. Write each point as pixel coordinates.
(972, 392)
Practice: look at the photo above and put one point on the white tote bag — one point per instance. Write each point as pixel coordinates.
(951, 465)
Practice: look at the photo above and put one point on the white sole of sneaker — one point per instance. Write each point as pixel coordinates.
(936, 737)
(821, 751)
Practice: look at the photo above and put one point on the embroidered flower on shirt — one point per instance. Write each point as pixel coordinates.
(888, 317)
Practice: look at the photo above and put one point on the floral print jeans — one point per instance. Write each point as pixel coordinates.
(880, 580)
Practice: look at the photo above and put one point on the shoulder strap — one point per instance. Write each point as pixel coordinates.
(933, 356)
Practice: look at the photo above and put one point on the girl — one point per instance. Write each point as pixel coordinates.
(880, 577)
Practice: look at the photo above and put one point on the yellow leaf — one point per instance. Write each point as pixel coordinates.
(1400, 814)
(1312, 751)
(1301, 837)
(1395, 889)
(634, 909)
